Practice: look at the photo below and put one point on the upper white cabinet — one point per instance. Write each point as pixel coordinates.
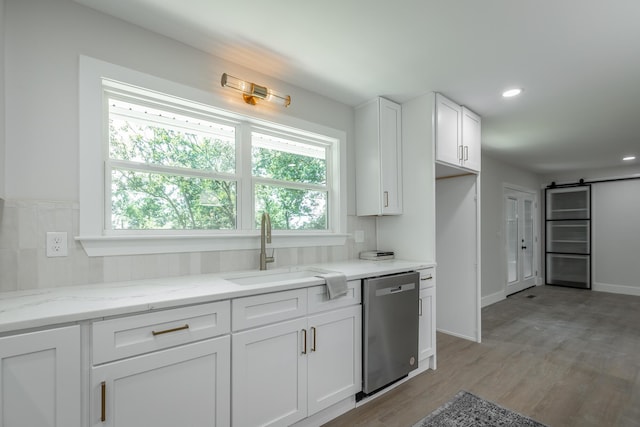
(457, 135)
(379, 158)
(471, 136)
(40, 378)
(448, 130)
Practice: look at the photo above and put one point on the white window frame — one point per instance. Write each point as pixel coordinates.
(93, 152)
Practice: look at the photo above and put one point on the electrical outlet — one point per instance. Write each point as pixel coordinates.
(359, 236)
(57, 244)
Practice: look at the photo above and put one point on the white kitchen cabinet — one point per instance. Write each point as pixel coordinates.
(286, 371)
(448, 130)
(457, 134)
(440, 222)
(378, 137)
(162, 368)
(40, 379)
(335, 354)
(269, 374)
(471, 139)
(185, 385)
(427, 327)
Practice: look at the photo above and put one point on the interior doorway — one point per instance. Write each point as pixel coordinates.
(520, 207)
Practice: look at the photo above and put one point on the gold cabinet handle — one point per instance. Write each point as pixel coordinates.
(386, 199)
(313, 346)
(426, 278)
(304, 341)
(466, 153)
(103, 401)
(168, 331)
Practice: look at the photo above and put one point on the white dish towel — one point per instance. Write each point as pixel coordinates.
(336, 284)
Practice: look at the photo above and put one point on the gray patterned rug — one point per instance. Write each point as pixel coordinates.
(468, 410)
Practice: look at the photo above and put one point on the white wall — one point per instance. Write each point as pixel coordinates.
(495, 174)
(2, 127)
(43, 40)
(614, 226)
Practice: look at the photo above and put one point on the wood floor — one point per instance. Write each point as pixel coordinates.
(565, 357)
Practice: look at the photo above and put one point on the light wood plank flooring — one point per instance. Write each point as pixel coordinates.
(565, 357)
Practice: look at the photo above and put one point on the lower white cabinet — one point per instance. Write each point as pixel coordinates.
(164, 368)
(335, 355)
(40, 379)
(427, 326)
(269, 375)
(284, 372)
(181, 386)
(427, 337)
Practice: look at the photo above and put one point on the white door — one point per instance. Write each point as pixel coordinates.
(427, 337)
(187, 385)
(335, 355)
(471, 139)
(391, 157)
(40, 379)
(448, 131)
(269, 375)
(520, 229)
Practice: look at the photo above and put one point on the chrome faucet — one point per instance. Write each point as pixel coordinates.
(265, 237)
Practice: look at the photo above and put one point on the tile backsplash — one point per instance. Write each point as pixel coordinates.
(24, 264)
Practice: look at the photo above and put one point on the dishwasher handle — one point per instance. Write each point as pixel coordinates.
(395, 289)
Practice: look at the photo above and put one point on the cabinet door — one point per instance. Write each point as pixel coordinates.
(378, 142)
(335, 348)
(269, 375)
(185, 385)
(40, 379)
(427, 338)
(448, 131)
(391, 157)
(471, 139)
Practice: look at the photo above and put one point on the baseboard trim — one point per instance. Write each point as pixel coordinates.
(455, 334)
(616, 289)
(493, 298)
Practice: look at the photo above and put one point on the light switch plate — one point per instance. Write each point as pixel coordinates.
(358, 236)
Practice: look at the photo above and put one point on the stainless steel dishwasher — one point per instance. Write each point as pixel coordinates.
(390, 329)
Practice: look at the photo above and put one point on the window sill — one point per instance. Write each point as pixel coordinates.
(144, 245)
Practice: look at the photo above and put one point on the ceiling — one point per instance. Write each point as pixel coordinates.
(577, 60)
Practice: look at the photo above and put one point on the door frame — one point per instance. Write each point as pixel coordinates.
(506, 188)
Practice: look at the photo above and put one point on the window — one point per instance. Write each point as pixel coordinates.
(168, 170)
(290, 182)
(173, 173)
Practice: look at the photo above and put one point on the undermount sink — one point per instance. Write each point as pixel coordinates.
(269, 277)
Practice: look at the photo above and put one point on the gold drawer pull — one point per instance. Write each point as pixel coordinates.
(168, 331)
(426, 278)
(103, 401)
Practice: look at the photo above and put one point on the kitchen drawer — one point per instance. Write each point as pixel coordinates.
(427, 277)
(319, 297)
(132, 335)
(258, 310)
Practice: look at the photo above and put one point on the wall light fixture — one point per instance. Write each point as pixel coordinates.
(251, 92)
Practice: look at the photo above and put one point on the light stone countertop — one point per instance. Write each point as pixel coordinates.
(52, 306)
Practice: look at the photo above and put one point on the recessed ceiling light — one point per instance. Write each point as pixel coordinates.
(627, 158)
(512, 92)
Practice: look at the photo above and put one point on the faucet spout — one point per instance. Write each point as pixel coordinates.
(265, 237)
